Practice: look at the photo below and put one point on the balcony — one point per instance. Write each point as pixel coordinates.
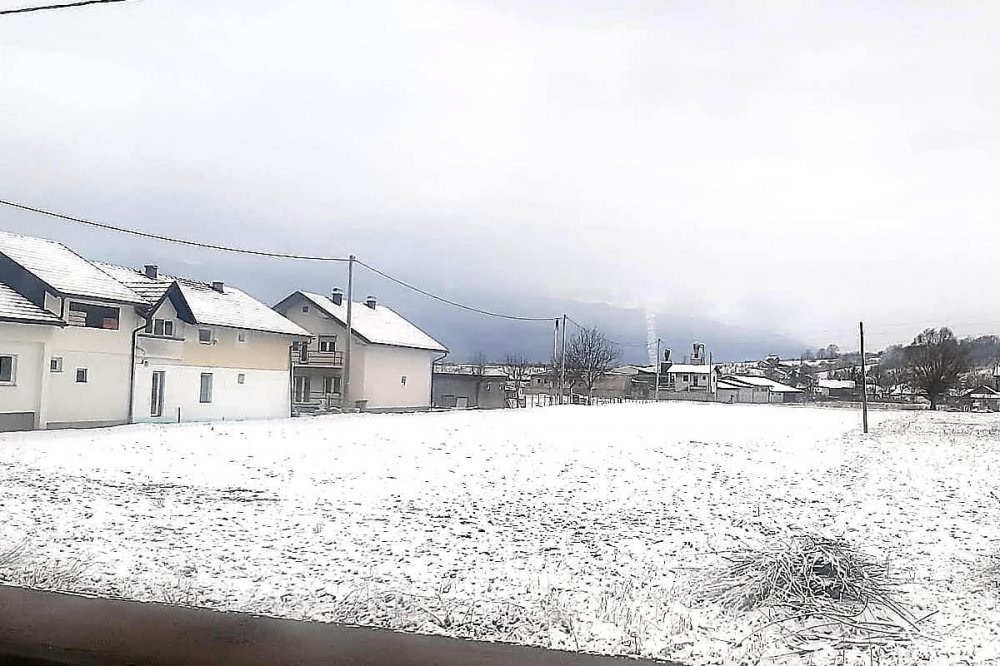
(318, 359)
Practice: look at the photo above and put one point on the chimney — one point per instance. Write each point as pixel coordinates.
(219, 287)
(152, 271)
(371, 302)
(337, 296)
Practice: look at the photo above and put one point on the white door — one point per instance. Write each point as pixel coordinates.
(461, 402)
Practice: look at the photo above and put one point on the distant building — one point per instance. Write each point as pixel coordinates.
(980, 398)
(777, 392)
(473, 387)
(842, 389)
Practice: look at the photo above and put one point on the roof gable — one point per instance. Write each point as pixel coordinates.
(16, 308)
(63, 270)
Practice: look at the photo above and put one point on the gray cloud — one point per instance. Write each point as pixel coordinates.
(788, 166)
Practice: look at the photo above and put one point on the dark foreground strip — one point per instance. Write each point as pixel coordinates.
(39, 628)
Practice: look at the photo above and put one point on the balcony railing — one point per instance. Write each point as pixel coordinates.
(326, 359)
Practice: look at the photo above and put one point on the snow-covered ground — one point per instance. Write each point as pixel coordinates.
(573, 527)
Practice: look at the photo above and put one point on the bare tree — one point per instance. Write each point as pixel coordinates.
(478, 363)
(590, 356)
(935, 362)
(516, 367)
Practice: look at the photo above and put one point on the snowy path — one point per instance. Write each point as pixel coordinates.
(568, 527)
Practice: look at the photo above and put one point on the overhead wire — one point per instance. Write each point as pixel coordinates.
(68, 5)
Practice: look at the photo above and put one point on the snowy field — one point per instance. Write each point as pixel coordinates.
(570, 527)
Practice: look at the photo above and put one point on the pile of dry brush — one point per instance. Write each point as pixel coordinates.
(814, 590)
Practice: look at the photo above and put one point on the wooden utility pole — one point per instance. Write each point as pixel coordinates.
(562, 362)
(656, 391)
(864, 381)
(347, 348)
(555, 358)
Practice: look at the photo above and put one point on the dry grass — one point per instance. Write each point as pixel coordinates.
(816, 590)
(19, 567)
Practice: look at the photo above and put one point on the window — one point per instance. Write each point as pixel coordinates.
(156, 394)
(8, 369)
(241, 378)
(331, 385)
(205, 336)
(402, 380)
(81, 375)
(328, 343)
(489, 386)
(305, 308)
(160, 327)
(684, 378)
(205, 395)
(241, 336)
(93, 316)
(55, 364)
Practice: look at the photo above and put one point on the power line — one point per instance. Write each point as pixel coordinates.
(171, 239)
(39, 8)
(451, 302)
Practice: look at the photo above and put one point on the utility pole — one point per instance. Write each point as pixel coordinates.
(864, 380)
(347, 348)
(562, 362)
(656, 391)
(711, 375)
(555, 358)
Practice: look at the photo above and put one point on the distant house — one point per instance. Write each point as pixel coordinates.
(66, 333)
(732, 390)
(980, 398)
(391, 358)
(842, 389)
(473, 387)
(207, 351)
(777, 392)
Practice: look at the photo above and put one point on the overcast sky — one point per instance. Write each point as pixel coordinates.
(788, 165)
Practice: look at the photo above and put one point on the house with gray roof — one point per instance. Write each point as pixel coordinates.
(391, 358)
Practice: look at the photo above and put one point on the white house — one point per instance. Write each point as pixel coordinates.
(777, 392)
(75, 359)
(207, 351)
(391, 358)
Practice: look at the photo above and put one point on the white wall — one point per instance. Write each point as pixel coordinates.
(28, 343)
(384, 366)
(263, 395)
(106, 355)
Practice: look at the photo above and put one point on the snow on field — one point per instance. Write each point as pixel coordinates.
(572, 527)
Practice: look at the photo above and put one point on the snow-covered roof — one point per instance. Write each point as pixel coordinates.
(689, 369)
(151, 289)
(64, 270)
(726, 384)
(776, 387)
(16, 308)
(981, 393)
(379, 325)
(233, 308)
(471, 371)
(836, 383)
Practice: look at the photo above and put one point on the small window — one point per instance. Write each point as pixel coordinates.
(205, 336)
(157, 327)
(55, 364)
(489, 386)
(241, 336)
(305, 308)
(205, 394)
(8, 369)
(684, 378)
(328, 343)
(241, 378)
(331, 385)
(168, 328)
(81, 375)
(402, 380)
